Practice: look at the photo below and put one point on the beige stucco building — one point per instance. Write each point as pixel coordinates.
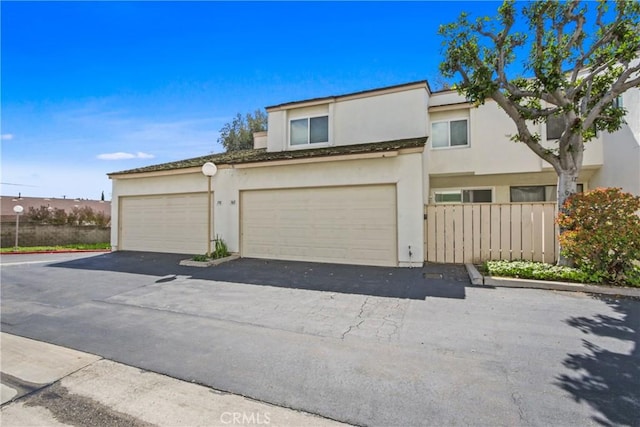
(345, 178)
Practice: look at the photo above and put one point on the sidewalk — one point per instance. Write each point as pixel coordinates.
(44, 384)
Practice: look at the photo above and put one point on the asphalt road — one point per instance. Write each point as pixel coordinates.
(366, 346)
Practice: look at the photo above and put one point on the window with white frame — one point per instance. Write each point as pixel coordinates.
(476, 195)
(309, 130)
(617, 102)
(536, 193)
(450, 133)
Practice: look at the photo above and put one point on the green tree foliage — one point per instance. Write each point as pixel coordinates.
(238, 134)
(602, 234)
(577, 63)
(41, 214)
(58, 217)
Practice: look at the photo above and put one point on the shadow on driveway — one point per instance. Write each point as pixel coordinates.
(607, 380)
(431, 280)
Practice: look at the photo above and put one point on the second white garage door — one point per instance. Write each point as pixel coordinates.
(347, 225)
(173, 223)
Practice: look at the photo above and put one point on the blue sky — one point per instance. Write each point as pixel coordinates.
(95, 87)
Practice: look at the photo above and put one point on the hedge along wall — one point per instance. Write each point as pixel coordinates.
(50, 235)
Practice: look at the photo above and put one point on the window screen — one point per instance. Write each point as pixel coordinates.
(319, 129)
(299, 131)
(477, 196)
(555, 127)
(459, 133)
(440, 134)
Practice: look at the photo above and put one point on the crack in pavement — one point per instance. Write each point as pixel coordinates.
(359, 316)
(516, 398)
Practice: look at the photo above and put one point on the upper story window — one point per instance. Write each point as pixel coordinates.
(450, 133)
(309, 130)
(617, 102)
(555, 127)
(478, 195)
(536, 193)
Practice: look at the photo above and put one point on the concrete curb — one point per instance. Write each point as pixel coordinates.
(213, 262)
(509, 282)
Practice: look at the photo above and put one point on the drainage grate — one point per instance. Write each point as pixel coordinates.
(432, 275)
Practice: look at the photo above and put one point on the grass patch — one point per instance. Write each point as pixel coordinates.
(76, 247)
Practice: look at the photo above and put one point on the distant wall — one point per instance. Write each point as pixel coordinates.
(49, 235)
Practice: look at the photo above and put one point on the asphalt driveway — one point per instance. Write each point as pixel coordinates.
(362, 345)
(437, 280)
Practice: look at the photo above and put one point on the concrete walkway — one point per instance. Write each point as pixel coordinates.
(44, 384)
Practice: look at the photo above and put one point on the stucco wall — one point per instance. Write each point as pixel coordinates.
(381, 118)
(357, 120)
(621, 150)
(490, 149)
(631, 101)
(404, 170)
(621, 162)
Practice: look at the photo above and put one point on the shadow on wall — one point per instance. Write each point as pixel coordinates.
(608, 381)
(432, 280)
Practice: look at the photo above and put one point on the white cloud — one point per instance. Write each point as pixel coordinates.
(116, 156)
(169, 140)
(123, 156)
(6, 136)
(41, 179)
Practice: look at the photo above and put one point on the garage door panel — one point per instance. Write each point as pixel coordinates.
(354, 225)
(165, 223)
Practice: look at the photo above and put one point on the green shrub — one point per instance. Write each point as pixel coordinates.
(536, 271)
(600, 232)
(221, 249)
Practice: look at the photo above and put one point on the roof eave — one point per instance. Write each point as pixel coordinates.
(370, 92)
(194, 165)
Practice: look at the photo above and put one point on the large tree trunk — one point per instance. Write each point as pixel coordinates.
(567, 185)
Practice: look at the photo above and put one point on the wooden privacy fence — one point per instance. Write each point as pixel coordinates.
(480, 232)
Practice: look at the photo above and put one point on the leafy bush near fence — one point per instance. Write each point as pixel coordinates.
(536, 271)
(601, 234)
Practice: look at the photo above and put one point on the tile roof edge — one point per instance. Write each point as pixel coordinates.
(328, 98)
(278, 155)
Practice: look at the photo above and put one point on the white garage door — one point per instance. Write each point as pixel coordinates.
(175, 223)
(348, 225)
